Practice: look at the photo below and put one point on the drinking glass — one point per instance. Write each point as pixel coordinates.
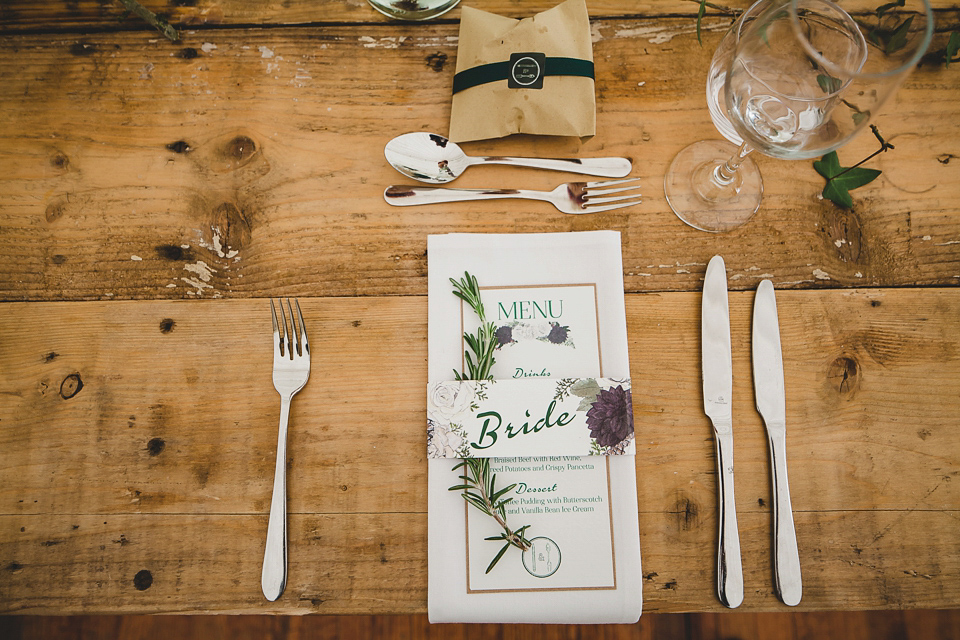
(413, 9)
(792, 79)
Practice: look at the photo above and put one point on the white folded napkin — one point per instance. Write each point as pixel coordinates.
(589, 556)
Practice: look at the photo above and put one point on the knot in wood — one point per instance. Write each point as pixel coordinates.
(844, 375)
(71, 386)
(687, 513)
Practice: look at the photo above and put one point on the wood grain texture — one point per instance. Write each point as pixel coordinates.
(864, 625)
(199, 14)
(138, 436)
(135, 168)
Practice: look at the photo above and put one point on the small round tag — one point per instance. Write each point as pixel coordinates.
(542, 559)
(526, 71)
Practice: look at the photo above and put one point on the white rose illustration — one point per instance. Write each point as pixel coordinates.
(443, 443)
(447, 400)
(525, 331)
(541, 329)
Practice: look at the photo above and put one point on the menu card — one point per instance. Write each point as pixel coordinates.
(556, 421)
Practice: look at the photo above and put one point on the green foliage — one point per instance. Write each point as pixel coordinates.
(478, 485)
(841, 180)
(953, 45)
(479, 489)
(484, 341)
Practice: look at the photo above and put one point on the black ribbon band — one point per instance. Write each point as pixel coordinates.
(497, 71)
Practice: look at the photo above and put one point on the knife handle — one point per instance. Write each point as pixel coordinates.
(729, 568)
(786, 557)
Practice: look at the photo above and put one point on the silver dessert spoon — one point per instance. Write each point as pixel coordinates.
(429, 157)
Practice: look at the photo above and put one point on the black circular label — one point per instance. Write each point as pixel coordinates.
(526, 71)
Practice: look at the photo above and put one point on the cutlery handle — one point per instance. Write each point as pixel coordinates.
(400, 195)
(605, 167)
(786, 557)
(729, 568)
(274, 576)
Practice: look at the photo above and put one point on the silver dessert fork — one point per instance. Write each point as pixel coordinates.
(291, 370)
(570, 197)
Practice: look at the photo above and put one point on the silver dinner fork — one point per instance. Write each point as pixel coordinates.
(291, 370)
(570, 197)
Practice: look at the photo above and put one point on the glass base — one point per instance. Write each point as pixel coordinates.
(700, 199)
(413, 9)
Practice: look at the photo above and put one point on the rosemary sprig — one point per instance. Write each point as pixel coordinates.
(480, 489)
(484, 341)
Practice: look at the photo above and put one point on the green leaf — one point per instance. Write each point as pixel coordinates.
(828, 166)
(828, 83)
(841, 180)
(899, 38)
(953, 45)
(459, 487)
(890, 5)
(703, 10)
(497, 557)
(892, 40)
(500, 493)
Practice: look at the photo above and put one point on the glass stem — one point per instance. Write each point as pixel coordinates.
(725, 174)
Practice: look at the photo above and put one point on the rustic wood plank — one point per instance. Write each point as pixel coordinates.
(375, 563)
(22, 14)
(862, 625)
(169, 442)
(177, 413)
(70, 14)
(134, 168)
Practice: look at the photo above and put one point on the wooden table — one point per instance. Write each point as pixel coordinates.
(153, 195)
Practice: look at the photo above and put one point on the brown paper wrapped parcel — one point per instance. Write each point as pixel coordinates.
(553, 48)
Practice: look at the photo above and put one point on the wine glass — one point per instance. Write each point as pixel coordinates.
(413, 9)
(792, 79)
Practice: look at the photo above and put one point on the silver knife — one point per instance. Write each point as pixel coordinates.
(772, 405)
(717, 403)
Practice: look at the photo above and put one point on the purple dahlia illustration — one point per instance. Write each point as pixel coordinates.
(558, 334)
(504, 335)
(610, 419)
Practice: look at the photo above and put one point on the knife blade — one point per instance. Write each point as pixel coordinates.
(772, 405)
(717, 365)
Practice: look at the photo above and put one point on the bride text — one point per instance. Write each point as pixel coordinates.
(492, 421)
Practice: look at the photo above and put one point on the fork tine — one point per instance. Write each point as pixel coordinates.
(303, 329)
(295, 331)
(277, 335)
(592, 200)
(608, 207)
(599, 184)
(286, 340)
(591, 191)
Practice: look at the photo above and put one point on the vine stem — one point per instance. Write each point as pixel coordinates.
(884, 146)
(152, 19)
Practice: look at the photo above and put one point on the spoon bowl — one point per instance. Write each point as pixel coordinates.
(431, 158)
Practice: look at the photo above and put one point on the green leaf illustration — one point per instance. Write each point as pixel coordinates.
(840, 180)
(587, 388)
